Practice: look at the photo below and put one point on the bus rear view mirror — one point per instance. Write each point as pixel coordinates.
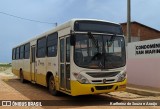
(72, 40)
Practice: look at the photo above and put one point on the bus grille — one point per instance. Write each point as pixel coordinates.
(103, 87)
(102, 74)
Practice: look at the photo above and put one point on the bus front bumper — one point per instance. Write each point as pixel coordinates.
(85, 89)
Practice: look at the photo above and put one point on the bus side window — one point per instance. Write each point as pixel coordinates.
(26, 51)
(22, 52)
(41, 47)
(14, 54)
(52, 40)
(17, 53)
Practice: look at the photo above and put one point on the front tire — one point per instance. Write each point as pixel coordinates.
(52, 86)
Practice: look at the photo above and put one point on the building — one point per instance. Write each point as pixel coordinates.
(140, 32)
(143, 58)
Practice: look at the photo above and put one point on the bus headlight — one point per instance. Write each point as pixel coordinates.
(122, 76)
(81, 78)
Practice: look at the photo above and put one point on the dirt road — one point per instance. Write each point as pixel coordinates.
(13, 89)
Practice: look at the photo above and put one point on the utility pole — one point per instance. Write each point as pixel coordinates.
(129, 20)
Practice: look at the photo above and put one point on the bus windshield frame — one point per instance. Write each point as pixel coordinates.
(101, 55)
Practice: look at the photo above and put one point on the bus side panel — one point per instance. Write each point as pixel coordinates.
(26, 69)
(14, 68)
(41, 71)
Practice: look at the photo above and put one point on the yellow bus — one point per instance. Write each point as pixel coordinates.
(79, 57)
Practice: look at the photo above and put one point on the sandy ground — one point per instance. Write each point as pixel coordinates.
(13, 89)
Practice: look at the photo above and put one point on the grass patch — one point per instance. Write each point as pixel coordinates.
(5, 65)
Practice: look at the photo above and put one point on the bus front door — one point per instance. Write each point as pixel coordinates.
(64, 63)
(33, 53)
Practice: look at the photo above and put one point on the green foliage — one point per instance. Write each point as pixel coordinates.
(5, 65)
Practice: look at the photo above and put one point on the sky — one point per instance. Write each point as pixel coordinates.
(14, 31)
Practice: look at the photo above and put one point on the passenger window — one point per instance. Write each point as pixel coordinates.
(14, 54)
(22, 52)
(27, 51)
(52, 45)
(17, 53)
(41, 47)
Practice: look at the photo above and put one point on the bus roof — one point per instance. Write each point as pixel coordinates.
(62, 26)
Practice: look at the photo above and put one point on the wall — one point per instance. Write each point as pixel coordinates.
(143, 63)
(142, 31)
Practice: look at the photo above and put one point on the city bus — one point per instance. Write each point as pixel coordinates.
(79, 57)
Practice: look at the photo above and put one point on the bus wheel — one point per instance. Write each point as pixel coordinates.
(21, 77)
(52, 86)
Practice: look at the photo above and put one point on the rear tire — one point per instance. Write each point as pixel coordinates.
(52, 86)
(21, 77)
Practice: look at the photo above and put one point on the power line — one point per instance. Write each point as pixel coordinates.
(26, 18)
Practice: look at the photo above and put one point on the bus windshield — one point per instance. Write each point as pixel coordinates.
(99, 51)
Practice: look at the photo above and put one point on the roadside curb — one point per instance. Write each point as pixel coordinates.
(142, 91)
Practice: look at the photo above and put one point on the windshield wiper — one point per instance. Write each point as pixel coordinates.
(98, 55)
(111, 40)
(94, 41)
